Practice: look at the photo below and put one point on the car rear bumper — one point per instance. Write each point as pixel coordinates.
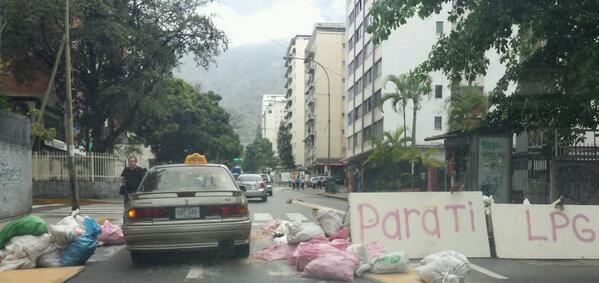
(179, 236)
(256, 193)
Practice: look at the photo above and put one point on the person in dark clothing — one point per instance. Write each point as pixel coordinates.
(131, 176)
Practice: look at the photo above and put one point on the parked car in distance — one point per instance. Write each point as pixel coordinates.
(253, 186)
(315, 181)
(268, 181)
(187, 207)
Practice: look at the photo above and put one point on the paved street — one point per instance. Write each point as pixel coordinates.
(113, 263)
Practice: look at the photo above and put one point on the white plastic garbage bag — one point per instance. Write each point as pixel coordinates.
(329, 220)
(302, 232)
(443, 270)
(66, 230)
(23, 251)
(363, 256)
(394, 262)
(283, 228)
(50, 258)
(436, 256)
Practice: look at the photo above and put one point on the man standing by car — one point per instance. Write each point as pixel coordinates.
(131, 176)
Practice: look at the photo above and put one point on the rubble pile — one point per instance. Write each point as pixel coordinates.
(29, 242)
(322, 249)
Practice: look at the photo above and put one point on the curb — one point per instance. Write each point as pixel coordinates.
(332, 196)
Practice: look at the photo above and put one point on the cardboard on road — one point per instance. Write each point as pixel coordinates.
(40, 275)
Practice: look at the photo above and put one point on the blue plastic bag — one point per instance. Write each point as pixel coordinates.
(82, 248)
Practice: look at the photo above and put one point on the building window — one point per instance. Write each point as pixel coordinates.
(358, 86)
(358, 34)
(378, 68)
(438, 123)
(350, 93)
(438, 91)
(367, 49)
(350, 43)
(367, 21)
(358, 7)
(350, 142)
(269, 111)
(368, 77)
(359, 59)
(351, 17)
(350, 67)
(439, 27)
(376, 100)
(367, 134)
(349, 117)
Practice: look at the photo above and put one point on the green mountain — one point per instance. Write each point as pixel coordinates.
(241, 76)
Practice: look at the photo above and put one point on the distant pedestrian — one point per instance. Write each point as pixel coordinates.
(131, 177)
(357, 181)
(298, 182)
(303, 182)
(293, 182)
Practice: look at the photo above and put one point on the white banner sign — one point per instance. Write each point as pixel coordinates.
(543, 232)
(421, 223)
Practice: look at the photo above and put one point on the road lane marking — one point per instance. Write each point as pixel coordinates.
(262, 217)
(296, 216)
(196, 273)
(487, 272)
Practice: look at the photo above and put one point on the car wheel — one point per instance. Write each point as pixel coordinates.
(264, 198)
(242, 251)
(136, 257)
(270, 194)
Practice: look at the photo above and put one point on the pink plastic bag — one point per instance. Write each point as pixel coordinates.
(337, 265)
(270, 253)
(375, 249)
(340, 244)
(341, 234)
(111, 234)
(307, 252)
(291, 259)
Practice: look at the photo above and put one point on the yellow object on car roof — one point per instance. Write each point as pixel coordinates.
(196, 158)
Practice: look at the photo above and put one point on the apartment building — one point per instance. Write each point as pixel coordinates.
(368, 66)
(326, 47)
(295, 95)
(273, 113)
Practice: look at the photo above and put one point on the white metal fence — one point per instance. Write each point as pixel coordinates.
(92, 167)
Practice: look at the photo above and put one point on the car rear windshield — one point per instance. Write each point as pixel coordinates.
(188, 178)
(250, 178)
(265, 178)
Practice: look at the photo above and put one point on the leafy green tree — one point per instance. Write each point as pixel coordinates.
(259, 155)
(176, 120)
(284, 147)
(121, 51)
(468, 108)
(549, 48)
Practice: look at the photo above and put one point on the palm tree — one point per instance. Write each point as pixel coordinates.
(399, 97)
(389, 149)
(468, 109)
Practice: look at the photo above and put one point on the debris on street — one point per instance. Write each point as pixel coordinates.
(29, 242)
(444, 267)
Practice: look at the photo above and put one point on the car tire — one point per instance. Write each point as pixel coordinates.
(136, 257)
(270, 194)
(264, 199)
(242, 251)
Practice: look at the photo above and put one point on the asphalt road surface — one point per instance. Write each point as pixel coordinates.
(113, 264)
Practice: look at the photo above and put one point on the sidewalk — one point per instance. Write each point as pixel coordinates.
(341, 193)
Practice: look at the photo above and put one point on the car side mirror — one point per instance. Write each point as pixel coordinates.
(242, 188)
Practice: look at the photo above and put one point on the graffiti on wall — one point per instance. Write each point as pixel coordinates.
(493, 167)
(10, 174)
(578, 182)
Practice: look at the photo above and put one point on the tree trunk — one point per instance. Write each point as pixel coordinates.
(414, 112)
(405, 130)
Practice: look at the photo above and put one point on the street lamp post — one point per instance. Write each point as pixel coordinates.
(329, 114)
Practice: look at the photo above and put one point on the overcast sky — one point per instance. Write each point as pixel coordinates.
(259, 21)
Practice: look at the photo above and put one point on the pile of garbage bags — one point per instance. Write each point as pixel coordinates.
(28, 242)
(322, 250)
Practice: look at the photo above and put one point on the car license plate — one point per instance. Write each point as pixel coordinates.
(187, 212)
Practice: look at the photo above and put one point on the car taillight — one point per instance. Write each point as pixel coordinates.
(262, 185)
(147, 212)
(228, 210)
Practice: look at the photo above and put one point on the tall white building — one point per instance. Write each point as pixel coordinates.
(369, 65)
(273, 113)
(295, 94)
(326, 46)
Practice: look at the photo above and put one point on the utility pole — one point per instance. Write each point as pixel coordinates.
(69, 110)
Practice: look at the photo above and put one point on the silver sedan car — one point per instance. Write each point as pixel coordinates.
(253, 185)
(187, 207)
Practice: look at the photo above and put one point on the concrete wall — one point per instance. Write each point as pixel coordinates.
(15, 165)
(87, 189)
